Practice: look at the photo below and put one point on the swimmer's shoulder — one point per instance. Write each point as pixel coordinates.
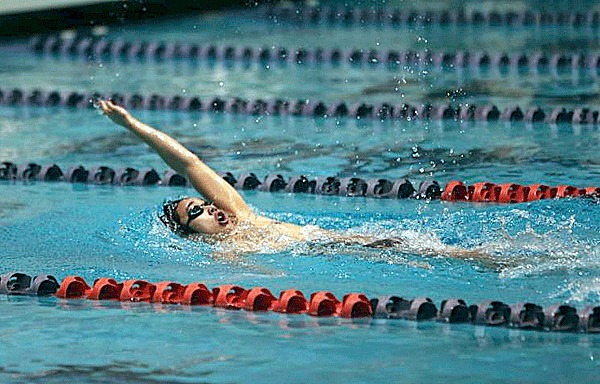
(297, 232)
(294, 231)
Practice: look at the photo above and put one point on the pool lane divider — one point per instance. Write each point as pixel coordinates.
(98, 48)
(396, 17)
(129, 176)
(303, 107)
(526, 315)
(486, 192)
(457, 191)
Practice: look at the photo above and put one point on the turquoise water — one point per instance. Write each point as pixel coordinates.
(546, 252)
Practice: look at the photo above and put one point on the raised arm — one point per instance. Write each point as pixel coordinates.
(206, 181)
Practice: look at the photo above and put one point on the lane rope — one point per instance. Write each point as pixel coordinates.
(526, 315)
(303, 107)
(93, 48)
(487, 192)
(130, 176)
(454, 191)
(356, 16)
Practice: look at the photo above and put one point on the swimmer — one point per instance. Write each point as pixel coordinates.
(223, 217)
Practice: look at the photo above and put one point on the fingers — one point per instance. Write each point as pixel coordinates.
(104, 105)
(119, 109)
(107, 106)
(116, 113)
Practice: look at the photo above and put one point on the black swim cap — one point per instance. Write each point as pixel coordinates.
(171, 219)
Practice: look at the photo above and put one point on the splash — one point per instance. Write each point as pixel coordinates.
(556, 250)
(583, 290)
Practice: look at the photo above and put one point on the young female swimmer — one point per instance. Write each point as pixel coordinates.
(223, 217)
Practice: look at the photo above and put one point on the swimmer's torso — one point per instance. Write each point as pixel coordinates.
(262, 234)
(259, 234)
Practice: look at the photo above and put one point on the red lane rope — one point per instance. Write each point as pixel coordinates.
(225, 296)
(326, 304)
(486, 192)
(525, 315)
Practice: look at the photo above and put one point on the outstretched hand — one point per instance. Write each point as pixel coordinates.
(117, 114)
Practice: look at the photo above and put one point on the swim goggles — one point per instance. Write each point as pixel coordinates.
(195, 212)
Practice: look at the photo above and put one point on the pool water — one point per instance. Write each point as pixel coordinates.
(545, 252)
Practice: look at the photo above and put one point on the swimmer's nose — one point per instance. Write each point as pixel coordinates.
(211, 210)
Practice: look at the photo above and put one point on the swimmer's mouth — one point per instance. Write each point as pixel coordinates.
(222, 218)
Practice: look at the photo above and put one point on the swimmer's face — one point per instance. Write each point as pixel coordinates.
(202, 217)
